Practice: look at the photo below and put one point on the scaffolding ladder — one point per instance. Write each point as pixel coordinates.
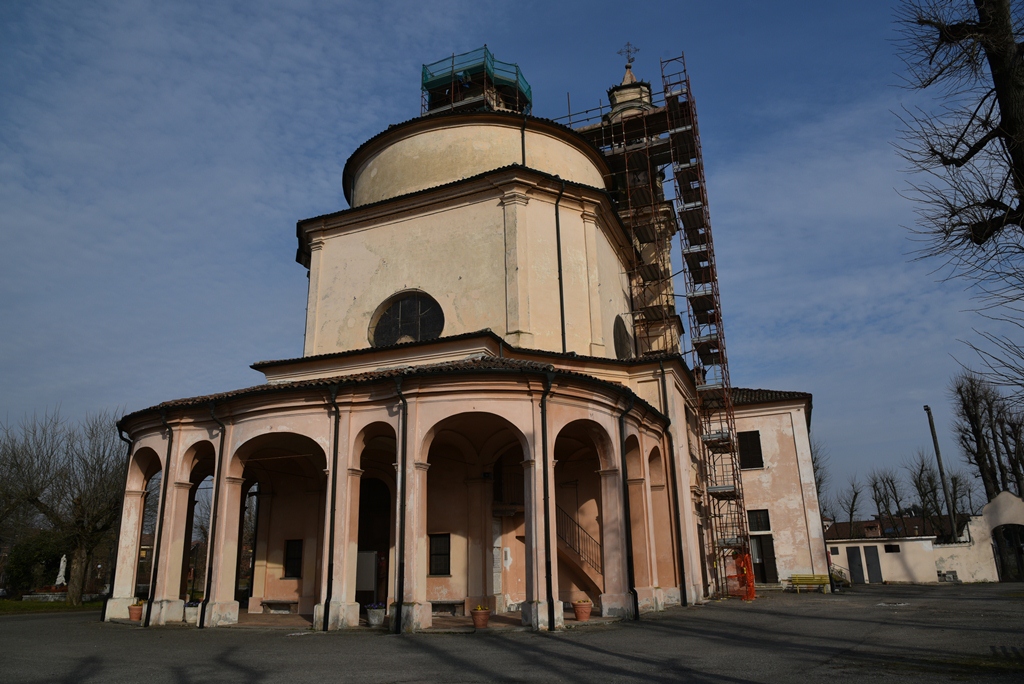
(644, 144)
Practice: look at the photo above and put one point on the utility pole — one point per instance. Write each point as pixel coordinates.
(942, 474)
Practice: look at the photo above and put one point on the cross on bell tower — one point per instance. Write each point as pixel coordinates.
(628, 51)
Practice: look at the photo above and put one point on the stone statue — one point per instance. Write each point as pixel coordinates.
(63, 567)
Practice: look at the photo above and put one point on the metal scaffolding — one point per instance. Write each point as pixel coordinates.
(651, 142)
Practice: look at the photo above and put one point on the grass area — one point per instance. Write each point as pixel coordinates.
(22, 607)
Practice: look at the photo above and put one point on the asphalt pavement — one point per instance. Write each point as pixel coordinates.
(947, 633)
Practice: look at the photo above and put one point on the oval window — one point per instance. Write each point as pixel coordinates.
(408, 317)
(623, 340)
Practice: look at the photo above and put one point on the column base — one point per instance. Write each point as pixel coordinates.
(616, 605)
(117, 608)
(221, 613)
(672, 596)
(340, 616)
(535, 615)
(167, 611)
(647, 599)
(415, 616)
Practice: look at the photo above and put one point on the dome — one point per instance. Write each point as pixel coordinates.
(436, 150)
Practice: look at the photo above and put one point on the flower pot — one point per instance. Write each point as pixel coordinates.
(192, 615)
(480, 618)
(582, 610)
(375, 616)
(135, 613)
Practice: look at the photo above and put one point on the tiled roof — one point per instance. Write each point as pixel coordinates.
(742, 396)
(486, 332)
(467, 366)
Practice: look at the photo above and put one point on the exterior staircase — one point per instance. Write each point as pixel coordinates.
(580, 549)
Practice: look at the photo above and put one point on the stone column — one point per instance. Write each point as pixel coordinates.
(123, 591)
(590, 231)
(416, 611)
(260, 546)
(643, 571)
(615, 601)
(535, 608)
(316, 246)
(222, 608)
(344, 611)
(478, 553)
(167, 603)
(517, 268)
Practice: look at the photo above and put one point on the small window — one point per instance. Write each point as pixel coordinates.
(623, 340)
(293, 558)
(892, 548)
(758, 521)
(835, 550)
(750, 450)
(409, 317)
(440, 554)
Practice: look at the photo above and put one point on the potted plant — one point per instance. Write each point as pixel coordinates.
(582, 609)
(375, 614)
(135, 610)
(481, 614)
(192, 612)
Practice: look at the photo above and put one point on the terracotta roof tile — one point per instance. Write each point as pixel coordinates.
(742, 396)
(476, 365)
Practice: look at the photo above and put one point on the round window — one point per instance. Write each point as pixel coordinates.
(409, 317)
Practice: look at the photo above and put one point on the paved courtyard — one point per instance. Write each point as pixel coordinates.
(895, 633)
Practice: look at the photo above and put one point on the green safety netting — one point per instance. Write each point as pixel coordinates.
(466, 66)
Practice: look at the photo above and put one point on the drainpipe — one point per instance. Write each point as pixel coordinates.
(329, 594)
(218, 476)
(548, 377)
(672, 472)
(630, 571)
(522, 139)
(401, 492)
(558, 249)
(120, 513)
(160, 518)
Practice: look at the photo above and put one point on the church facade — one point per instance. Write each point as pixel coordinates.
(469, 424)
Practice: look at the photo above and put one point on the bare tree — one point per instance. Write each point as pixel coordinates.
(990, 434)
(967, 149)
(927, 491)
(889, 497)
(849, 501)
(972, 145)
(822, 477)
(74, 477)
(962, 491)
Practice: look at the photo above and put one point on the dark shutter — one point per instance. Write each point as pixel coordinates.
(293, 558)
(758, 521)
(771, 571)
(440, 554)
(750, 450)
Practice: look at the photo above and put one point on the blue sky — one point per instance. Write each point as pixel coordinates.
(154, 158)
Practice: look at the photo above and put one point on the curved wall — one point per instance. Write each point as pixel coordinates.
(446, 149)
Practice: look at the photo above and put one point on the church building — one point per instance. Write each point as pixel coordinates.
(484, 412)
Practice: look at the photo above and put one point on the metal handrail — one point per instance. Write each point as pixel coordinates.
(578, 539)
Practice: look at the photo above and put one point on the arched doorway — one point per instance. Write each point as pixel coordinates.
(579, 514)
(199, 461)
(375, 525)
(475, 525)
(151, 475)
(288, 525)
(1009, 550)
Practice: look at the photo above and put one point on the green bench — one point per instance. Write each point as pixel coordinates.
(798, 581)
